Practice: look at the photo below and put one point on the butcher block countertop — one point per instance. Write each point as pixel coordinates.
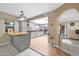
(17, 33)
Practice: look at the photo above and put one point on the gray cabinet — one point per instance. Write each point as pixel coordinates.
(21, 42)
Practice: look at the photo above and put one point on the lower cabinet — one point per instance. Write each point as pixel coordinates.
(21, 42)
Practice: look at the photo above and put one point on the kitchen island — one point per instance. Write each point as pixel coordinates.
(20, 40)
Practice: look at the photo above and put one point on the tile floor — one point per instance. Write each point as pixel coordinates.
(8, 50)
(29, 52)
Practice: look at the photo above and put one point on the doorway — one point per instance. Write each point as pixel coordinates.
(63, 31)
(40, 43)
(39, 35)
(69, 38)
(39, 27)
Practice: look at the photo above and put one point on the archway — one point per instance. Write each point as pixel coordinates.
(54, 30)
(69, 21)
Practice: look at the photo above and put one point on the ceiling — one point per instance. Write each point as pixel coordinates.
(30, 9)
(41, 20)
(33, 9)
(70, 15)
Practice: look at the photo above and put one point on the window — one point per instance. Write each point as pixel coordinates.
(9, 26)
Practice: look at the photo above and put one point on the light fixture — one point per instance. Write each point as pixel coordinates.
(23, 22)
(11, 23)
(22, 17)
(72, 24)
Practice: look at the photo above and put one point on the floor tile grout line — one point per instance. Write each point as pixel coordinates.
(37, 51)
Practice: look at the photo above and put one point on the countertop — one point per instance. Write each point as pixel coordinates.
(17, 33)
(35, 30)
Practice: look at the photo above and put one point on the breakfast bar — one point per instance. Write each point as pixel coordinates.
(20, 40)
